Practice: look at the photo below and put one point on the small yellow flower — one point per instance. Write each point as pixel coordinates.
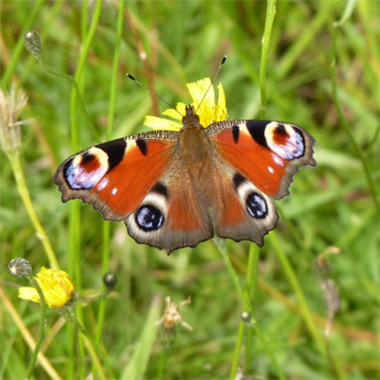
(209, 110)
(56, 286)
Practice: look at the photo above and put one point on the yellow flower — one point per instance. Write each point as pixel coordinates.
(56, 286)
(209, 110)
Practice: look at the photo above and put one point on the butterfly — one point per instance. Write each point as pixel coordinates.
(176, 189)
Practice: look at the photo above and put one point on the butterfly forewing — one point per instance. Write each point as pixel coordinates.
(268, 153)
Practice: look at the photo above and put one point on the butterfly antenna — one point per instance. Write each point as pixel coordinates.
(224, 59)
(130, 76)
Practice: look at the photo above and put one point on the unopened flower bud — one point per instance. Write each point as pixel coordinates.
(246, 316)
(110, 280)
(33, 43)
(19, 267)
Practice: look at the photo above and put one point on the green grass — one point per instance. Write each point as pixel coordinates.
(319, 68)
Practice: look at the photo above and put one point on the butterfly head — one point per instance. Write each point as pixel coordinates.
(191, 119)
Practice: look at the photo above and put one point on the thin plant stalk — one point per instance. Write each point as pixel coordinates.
(237, 351)
(268, 350)
(306, 313)
(26, 335)
(304, 308)
(244, 299)
(41, 327)
(26, 199)
(74, 229)
(250, 290)
(269, 20)
(111, 116)
(358, 151)
(235, 278)
(20, 44)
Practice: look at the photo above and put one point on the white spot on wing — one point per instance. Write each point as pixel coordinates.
(270, 169)
(114, 191)
(102, 184)
(278, 160)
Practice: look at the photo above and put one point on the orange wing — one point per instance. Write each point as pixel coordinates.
(268, 153)
(141, 180)
(115, 176)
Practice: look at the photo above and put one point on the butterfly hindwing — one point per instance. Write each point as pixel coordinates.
(238, 209)
(172, 214)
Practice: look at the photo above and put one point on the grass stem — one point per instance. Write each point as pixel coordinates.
(28, 204)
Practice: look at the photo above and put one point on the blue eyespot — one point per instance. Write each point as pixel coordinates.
(256, 206)
(149, 218)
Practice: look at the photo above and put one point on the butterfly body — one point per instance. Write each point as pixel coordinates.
(176, 189)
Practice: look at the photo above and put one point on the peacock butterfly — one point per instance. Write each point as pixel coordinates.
(176, 189)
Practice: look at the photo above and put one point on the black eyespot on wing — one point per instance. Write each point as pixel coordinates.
(115, 151)
(235, 133)
(142, 146)
(238, 180)
(256, 206)
(161, 189)
(280, 129)
(149, 218)
(86, 158)
(257, 130)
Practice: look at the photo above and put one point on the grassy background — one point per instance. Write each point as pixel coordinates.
(333, 204)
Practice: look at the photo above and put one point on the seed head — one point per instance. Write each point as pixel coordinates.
(19, 267)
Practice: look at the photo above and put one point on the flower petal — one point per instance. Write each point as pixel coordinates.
(159, 123)
(28, 293)
(173, 113)
(203, 96)
(198, 90)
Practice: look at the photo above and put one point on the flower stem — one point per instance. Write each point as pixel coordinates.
(235, 278)
(269, 19)
(37, 347)
(250, 290)
(237, 351)
(22, 188)
(75, 216)
(111, 115)
(306, 314)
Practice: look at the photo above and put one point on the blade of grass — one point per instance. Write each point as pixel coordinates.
(305, 38)
(306, 314)
(111, 115)
(74, 221)
(269, 20)
(348, 10)
(358, 151)
(28, 204)
(15, 317)
(20, 44)
(139, 361)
